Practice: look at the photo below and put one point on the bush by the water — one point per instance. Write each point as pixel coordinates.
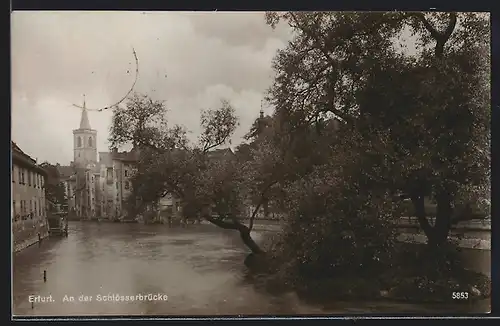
(339, 242)
(411, 272)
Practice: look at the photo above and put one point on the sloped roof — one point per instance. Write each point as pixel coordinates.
(17, 149)
(220, 153)
(84, 121)
(21, 158)
(132, 156)
(65, 171)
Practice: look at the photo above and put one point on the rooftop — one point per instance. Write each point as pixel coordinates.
(132, 156)
(65, 171)
(220, 153)
(21, 158)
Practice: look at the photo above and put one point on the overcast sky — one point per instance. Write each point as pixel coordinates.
(191, 60)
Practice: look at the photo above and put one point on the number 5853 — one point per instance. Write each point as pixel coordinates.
(460, 295)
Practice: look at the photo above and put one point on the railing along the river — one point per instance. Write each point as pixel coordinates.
(410, 222)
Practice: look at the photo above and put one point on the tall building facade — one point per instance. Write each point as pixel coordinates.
(100, 185)
(29, 215)
(82, 187)
(116, 170)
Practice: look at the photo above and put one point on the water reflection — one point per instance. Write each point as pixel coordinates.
(200, 268)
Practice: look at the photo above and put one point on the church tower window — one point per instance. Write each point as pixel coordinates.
(90, 141)
(79, 142)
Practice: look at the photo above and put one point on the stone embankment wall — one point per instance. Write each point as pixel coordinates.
(27, 235)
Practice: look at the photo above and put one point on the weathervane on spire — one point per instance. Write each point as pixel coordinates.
(261, 108)
(84, 107)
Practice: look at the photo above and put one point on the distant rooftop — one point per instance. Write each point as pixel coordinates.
(65, 171)
(220, 153)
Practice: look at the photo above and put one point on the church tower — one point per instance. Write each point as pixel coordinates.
(261, 121)
(84, 141)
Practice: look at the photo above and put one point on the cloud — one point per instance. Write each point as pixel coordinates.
(191, 60)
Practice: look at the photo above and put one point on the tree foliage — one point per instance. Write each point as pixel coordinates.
(54, 187)
(210, 185)
(423, 117)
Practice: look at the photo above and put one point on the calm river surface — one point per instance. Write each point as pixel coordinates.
(199, 268)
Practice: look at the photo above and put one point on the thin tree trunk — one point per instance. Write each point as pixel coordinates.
(444, 214)
(419, 206)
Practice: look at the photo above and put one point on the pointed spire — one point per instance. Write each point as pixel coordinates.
(84, 121)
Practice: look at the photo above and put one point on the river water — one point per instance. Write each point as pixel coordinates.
(200, 268)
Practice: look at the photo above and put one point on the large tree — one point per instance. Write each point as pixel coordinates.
(213, 188)
(424, 114)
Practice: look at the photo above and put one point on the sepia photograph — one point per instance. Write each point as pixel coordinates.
(245, 164)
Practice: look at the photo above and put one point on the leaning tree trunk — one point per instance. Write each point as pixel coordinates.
(244, 231)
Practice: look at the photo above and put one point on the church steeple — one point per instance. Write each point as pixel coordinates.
(84, 121)
(85, 140)
(261, 123)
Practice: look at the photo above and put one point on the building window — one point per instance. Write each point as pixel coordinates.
(109, 175)
(40, 208)
(126, 173)
(117, 185)
(20, 175)
(90, 141)
(14, 207)
(79, 142)
(35, 211)
(127, 186)
(29, 178)
(13, 174)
